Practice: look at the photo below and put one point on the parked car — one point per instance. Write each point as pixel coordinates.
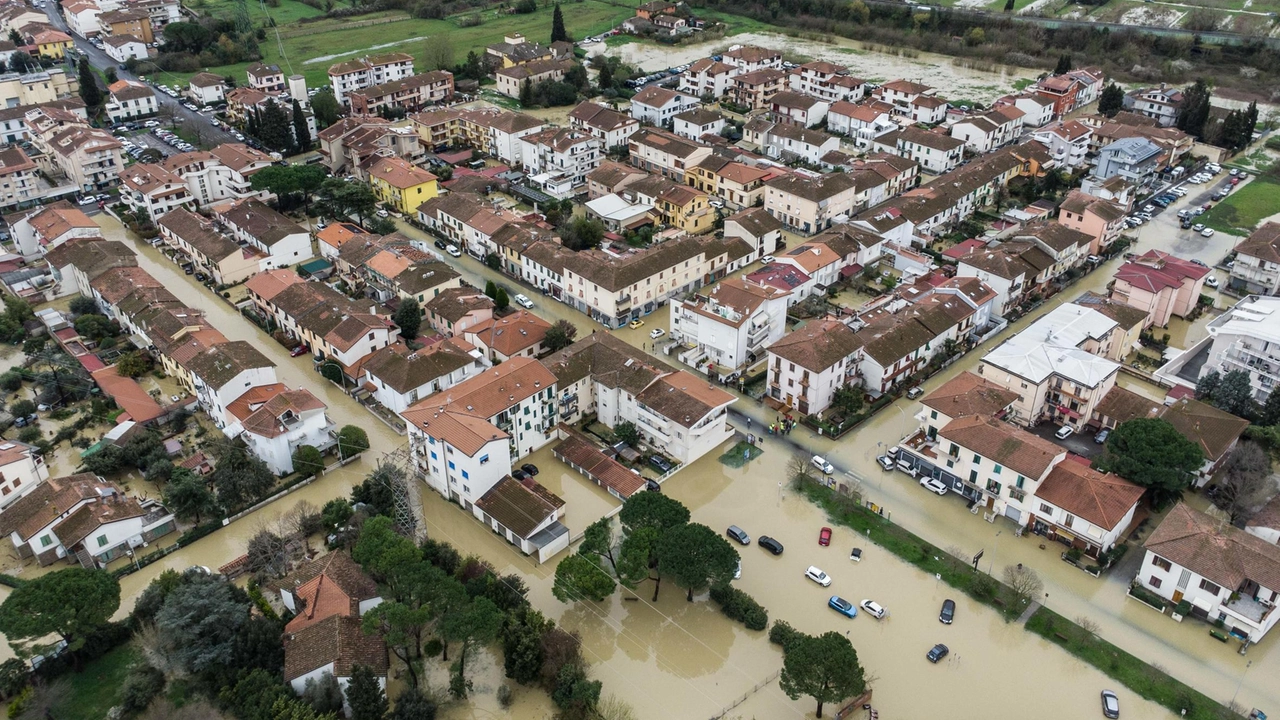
(816, 575)
(453, 251)
(738, 534)
(300, 350)
(766, 260)
(1207, 232)
(770, 544)
(824, 536)
(905, 466)
(530, 468)
(1064, 432)
(1197, 227)
(934, 486)
(1211, 281)
(657, 333)
(821, 464)
(635, 324)
(441, 244)
(856, 554)
(523, 301)
(874, 609)
(937, 652)
(1102, 436)
(948, 612)
(659, 463)
(885, 462)
(915, 392)
(842, 606)
(519, 475)
(1110, 704)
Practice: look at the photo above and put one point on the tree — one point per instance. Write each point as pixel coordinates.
(1234, 394)
(109, 74)
(343, 199)
(400, 626)
(522, 644)
(324, 695)
(81, 305)
(365, 695)
(1064, 65)
(560, 335)
(501, 301)
(412, 704)
(200, 621)
(604, 78)
(526, 94)
(1023, 582)
(476, 623)
(580, 577)
(627, 432)
(90, 93)
(1008, 6)
(848, 400)
(326, 108)
(558, 33)
(301, 133)
(1245, 483)
(69, 603)
(381, 550)
(1111, 101)
(1194, 110)
(22, 408)
(290, 181)
(352, 440)
(1207, 385)
(240, 478)
(695, 557)
(408, 318)
(95, 327)
(652, 510)
(307, 461)
(582, 233)
(1152, 453)
(598, 540)
(188, 496)
(133, 364)
(439, 53)
(1271, 410)
(824, 668)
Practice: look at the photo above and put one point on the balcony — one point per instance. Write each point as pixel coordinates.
(1249, 609)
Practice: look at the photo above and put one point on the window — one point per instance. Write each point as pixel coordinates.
(465, 475)
(433, 455)
(933, 414)
(102, 541)
(993, 487)
(484, 459)
(452, 466)
(466, 489)
(1161, 563)
(46, 541)
(1020, 481)
(998, 469)
(1046, 509)
(431, 440)
(1154, 581)
(977, 459)
(1209, 587)
(973, 476)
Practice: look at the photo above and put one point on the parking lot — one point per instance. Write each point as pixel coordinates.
(1211, 177)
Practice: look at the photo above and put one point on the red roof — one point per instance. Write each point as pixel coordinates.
(782, 276)
(128, 394)
(91, 363)
(959, 250)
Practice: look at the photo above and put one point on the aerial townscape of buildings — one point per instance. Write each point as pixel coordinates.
(629, 290)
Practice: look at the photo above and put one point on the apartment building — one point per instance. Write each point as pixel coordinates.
(708, 77)
(519, 334)
(657, 105)
(756, 227)
(788, 141)
(219, 374)
(127, 21)
(674, 204)
(89, 158)
(935, 152)
(1005, 463)
(36, 88)
(207, 88)
(152, 190)
(754, 90)
(750, 58)
(1160, 285)
(1257, 267)
(127, 99)
(223, 173)
(283, 241)
(511, 80)
(1102, 220)
(410, 94)
(210, 251)
(19, 178)
(123, 48)
(1066, 247)
(863, 123)
(809, 205)
(22, 469)
(1133, 159)
(351, 75)
(808, 365)
(401, 185)
(265, 78)
(738, 184)
(728, 327)
(993, 129)
(661, 152)
(516, 50)
(1067, 142)
(826, 81)
(696, 123)
(400, 376)
(1246, 337)
(274, 422)
(558, 160)
(610, 126)
(1158, 103)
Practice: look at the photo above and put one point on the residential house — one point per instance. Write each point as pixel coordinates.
(223, 173)
(935, 152)
(784, 141)
(1160, 104)
(351, 75)
(661, 152)
(127, 21)
(19, 177)
(276, 423)
(1101, 219)
(610, 126)
(807, 204)
(1037, 109)
(1068, 248)
(756, 227)
(519, 334)
(353, 144)
(410, 94)
(610, 177)
(694, 124)
(558, 160)
(22, 469)
(455, 310)
(708, 78)
(1013, 270)
(1002, 466)
(863, 122)
(808, 365)
(789, 106)
(1134, 159)
(993, 129)
(127, 99)
(207, 88)
(1266, 522)
(826, 81)
(210, 251)
(1083, 508)
(265, 78)
(1062, 90)
(398, 377)
(657, 105)
(1223, 573)
(515, 50)
(1159, 284)
(123, 48)
(152, 190)
(49, 43)
(1257, 266)
(81, 17)
(332, 584)
(1067, 141)
(42, 229)
(283, 241)
(75, 263)
(333, 646)
(82, 517)
(512, 79)
(219, 374)
(966, 394)
(729, 327)
(754, 90)
(400, 185)
(749, 58)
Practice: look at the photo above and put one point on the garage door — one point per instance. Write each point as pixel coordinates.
(1013, 513)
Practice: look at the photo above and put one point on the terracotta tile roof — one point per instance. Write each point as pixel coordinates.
(906, 87)
(1263, 243)
(1268, 516)
(813, 189)
(460, 415)
(321, 598)
(519, 506)
(1215, 550)
(453, 304)
(819, 345)
(273, 418)
(611, 174)
(34, 511)
(221, 363)
(1101, 498)
(1057, 236)
(684, 398)
(271, 283)
(612, 362)
(1122, 405)
(338, 233)
(338, 640)
(260, 221)
(404, 371)
(753, 54)
(128, 394)
(609, 473)
(92, 256)
(88, 518)
(755, 221)
(204, 79)
(512, 334)
(400, 173)
(969, 394)
(53, 223)
(200, 234)
(1214, 430)
(600, 117)
(1003, 443)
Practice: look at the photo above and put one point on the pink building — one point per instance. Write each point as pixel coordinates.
(1103, 220)
(1160, 285)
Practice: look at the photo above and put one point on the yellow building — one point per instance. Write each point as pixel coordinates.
(52, 44)
(401, 184)
(516, 50)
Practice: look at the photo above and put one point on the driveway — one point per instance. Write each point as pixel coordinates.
(1080, 442)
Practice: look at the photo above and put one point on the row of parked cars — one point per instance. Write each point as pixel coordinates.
(172, 139)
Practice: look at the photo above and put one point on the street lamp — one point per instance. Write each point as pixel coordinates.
(1246, 672)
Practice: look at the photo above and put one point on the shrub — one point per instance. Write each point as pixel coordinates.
(782, 633)
(140, 687)
(740, 606)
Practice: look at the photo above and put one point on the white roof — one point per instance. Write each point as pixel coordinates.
(1050, 346)
(613, 207)
(1255, 316)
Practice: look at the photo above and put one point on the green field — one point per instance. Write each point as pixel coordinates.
(96, 688)
(289, 10)
(1243, 209)
(339, 39)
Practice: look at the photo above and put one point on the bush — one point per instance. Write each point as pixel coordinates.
(738, 605)
(782, 633)
(140, 687)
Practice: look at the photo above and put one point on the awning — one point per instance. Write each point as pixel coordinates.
(1202, 604)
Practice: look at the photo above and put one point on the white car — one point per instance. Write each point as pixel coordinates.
(524, 302)
(821, 464)
(766, 260)
(1064, 432)
(873, 608)
(818, 576)
(657, 333)
(933, 486)
(1211, 281)
(454, 251)
(1207, 232)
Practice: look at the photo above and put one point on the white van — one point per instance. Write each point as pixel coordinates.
(821, 464)
(905, 466)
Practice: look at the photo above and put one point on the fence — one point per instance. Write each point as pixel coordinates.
(743, 698)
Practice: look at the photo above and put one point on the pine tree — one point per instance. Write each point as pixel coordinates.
(526, 94)
(273, 127)
(605, 79)
(1111, 101)
(1194, 111)
(364, 695)
(1064, 65)
(253, 123)
(89, 91)
(301, 133)
(1008, 6)
(558, 33)
(1251, 122)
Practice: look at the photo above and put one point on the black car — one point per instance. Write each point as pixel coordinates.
(530, 468)
(937, 652)
(441, 244)
(770, 544)
(948, 612)
(519, 475)
(659, 463)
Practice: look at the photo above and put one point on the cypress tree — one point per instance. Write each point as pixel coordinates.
(1064, 65)
(89, 91)
(558, 33)
(301, 133)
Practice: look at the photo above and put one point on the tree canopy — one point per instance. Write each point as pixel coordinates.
(652, 510)
(69, 603)
(825, 668)
(408, 318)
(1152, 453)
(200, 621)
(695, 557)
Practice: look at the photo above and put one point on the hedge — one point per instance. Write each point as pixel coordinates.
(738, 605)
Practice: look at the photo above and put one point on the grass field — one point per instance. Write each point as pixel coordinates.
(1240, 213)
(337, 40)
(96, 689)
(289, 11)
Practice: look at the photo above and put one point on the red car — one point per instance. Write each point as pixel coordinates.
(300, 350)
(824, 537)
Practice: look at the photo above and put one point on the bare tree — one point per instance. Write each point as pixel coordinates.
(611, 707)
(48, 699)
(1023, 582)
(798, 468)
(168, 113)
(1246, 483)
(268, 552)
(157, 651)
(439, 54)
(1086, 624)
